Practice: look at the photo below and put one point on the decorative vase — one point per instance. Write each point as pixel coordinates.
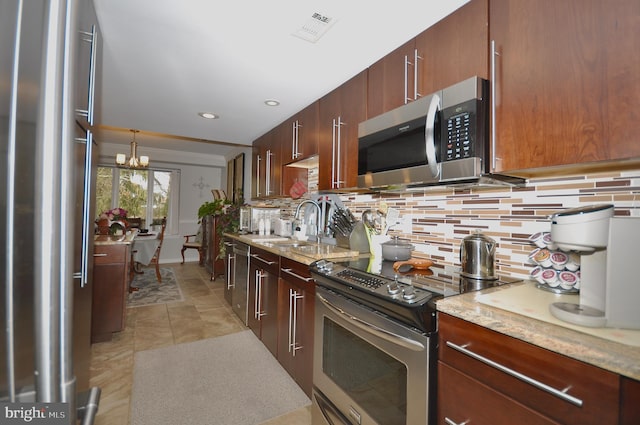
(103, 226)
(118, 228)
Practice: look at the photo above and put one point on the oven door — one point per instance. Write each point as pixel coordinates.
(367, 368)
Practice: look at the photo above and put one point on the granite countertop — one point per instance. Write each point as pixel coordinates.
(569, 340)
(304, 252)
(115, 239)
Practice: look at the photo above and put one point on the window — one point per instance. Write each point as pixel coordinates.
(148, 194)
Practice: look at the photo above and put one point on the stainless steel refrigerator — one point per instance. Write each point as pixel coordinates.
(49, 63)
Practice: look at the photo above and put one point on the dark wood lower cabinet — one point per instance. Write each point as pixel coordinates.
(296, 307)
(111, 267)
(263, 297)
(486, 406)
(480, 392)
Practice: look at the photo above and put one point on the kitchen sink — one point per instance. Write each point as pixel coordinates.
(292, 244)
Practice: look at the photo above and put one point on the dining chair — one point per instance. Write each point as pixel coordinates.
(156, 255)
(198, 242)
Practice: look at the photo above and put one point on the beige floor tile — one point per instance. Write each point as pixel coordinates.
(203, 314)
(297, 417)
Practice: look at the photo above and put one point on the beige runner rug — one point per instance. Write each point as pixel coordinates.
(228, 380)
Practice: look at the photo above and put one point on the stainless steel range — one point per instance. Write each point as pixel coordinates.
(376, 341)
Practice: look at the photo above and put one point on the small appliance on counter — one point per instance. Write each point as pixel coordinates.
(250, 217)
(282, 227)
(609, 290)
(477, 257)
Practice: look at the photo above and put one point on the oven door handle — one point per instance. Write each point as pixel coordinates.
(373, 329)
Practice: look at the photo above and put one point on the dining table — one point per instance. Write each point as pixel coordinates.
(144, 246)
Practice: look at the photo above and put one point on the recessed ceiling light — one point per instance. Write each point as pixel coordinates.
(208, 115)
(271, 102)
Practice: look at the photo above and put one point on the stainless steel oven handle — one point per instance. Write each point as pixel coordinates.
(373, 329)
(429, 135)
(542, 386)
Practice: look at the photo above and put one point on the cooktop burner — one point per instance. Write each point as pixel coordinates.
(409, 297)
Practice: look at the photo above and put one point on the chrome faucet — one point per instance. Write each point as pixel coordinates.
(319, 218)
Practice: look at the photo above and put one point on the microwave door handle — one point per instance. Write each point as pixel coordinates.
(429, 135)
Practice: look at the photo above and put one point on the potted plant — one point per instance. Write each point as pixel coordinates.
(228, 214)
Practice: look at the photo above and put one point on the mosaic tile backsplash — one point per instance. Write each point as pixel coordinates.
(440, 219)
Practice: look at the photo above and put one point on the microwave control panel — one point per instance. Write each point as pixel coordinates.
(459, 129)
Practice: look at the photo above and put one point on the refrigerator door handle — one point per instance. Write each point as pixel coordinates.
(88, 402)
(83, 274)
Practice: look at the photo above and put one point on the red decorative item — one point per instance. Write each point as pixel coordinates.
(297, 190)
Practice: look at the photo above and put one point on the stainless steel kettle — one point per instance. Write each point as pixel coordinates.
(477, 257)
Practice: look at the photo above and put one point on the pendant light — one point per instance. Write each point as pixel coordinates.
(133, 161)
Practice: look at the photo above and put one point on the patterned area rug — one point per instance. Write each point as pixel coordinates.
(151, 292)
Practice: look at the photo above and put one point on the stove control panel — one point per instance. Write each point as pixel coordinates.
(384, 287)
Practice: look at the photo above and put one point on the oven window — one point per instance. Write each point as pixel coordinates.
(372, 378)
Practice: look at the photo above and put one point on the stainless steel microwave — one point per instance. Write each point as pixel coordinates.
(438, 139)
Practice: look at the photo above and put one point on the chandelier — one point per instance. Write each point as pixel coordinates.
(133, 161)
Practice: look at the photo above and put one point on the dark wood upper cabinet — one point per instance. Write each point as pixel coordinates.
(455, 48)
(387, 77)
(566, 80)
(300, 135)
(267, 164)
(340, 112)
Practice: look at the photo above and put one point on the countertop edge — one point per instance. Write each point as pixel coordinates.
(612, 356)
(126, 239)
(283, 252)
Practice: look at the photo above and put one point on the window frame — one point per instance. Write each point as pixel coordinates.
(173, 213)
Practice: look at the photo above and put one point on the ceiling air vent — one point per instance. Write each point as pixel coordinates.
(314, 28)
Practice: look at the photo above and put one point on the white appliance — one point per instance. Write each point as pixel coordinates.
(609, 288)
(250, 217)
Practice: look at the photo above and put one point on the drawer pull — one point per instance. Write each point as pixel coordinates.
(267, 262)
(297, 276)
(100, 255)
(450, 422)
(544, 387)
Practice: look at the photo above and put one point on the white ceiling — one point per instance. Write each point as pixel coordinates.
(165, 61)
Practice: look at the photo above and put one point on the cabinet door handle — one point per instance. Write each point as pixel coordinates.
(258, 160)
(257, 311)
(257, 257)
(293, 321)
(406, 79)
(295, 140)
(416, 58)
(450, 422)
(267, 178)
(336, 136)
(534, 382)
(100, 255)
(297, 276)
(230, 269)
(494, 83)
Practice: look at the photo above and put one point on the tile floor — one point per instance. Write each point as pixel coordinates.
(204, 313)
